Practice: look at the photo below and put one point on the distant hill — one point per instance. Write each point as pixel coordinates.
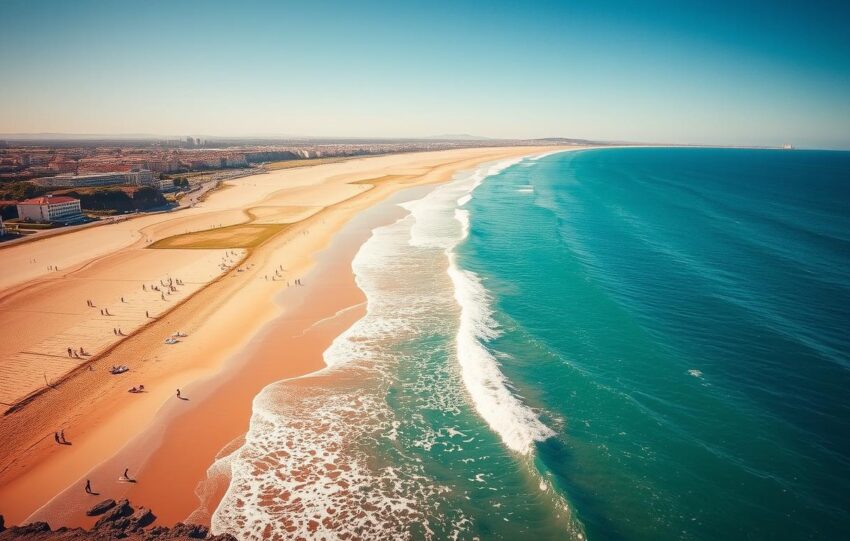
(458, 137)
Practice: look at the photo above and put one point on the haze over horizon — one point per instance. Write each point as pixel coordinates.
(765, 73)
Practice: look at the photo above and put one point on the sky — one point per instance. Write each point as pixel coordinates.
(747, 72)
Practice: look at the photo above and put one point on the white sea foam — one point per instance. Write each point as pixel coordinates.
(432, 215)
(516, 423)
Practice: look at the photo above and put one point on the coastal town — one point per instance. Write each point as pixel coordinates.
(45, 183)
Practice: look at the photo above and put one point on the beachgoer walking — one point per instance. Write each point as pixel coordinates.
(88, 487)
(178, 394)
(69, 352)
(62, 436)
(56, 437)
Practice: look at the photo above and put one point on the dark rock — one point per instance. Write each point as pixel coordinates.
(222, 537)
(101, 508)
(121, 524)
(28, 529)
(192, 531)
(2, 523)
(156, 532)
(121, 510)
(118, 521)
(141, 518)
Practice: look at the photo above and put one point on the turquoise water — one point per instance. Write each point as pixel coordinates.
(610, 344)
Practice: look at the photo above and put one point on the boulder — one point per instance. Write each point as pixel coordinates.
(141, 518)
(192, 531)
(120, 525)
(30, 529)
(157, 532)
(101, 508)
(121, 510)
(223, 537)
(2, 523)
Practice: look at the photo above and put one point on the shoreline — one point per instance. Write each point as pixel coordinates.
(42, 474)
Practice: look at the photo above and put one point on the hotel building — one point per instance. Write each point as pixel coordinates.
(50, 208)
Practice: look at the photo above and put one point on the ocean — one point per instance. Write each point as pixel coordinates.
(622, 343)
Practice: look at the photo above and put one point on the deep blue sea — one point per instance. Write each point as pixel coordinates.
(623, 343)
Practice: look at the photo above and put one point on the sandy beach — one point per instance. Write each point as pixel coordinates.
(237, 257)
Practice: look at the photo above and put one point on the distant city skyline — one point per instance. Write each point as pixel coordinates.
(756, 73)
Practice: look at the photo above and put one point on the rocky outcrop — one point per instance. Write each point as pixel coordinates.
(101, 508)
(119, 520)
(116, 518)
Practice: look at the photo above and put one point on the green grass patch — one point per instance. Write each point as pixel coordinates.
(234, 236)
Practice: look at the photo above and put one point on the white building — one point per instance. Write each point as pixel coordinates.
(140, 177)
(91, 179)
(50, 208)
(164, 185)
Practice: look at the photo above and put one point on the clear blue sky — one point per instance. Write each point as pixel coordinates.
(744, 72)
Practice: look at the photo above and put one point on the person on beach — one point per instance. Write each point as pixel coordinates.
(69, 352)
(56, 437)
(147, 314)
(88, 487)
(62, 436)
(178, 394)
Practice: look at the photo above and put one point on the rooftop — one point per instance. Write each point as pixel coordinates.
(48, 200)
